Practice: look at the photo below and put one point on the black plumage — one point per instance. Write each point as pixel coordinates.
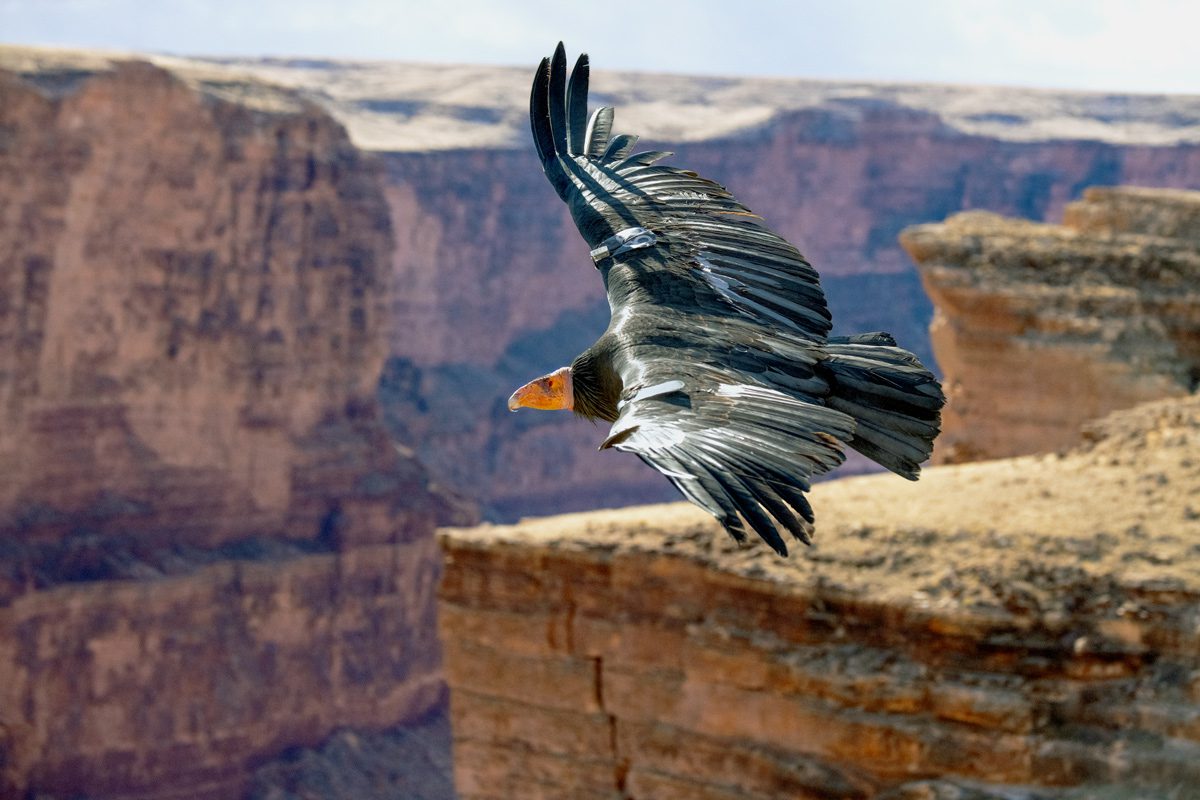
(716, 368)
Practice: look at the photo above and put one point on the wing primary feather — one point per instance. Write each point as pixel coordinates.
(598, 130)
(712, 487)
(619, 147)
(543, 133)
(741, 497)
(539, 112)
(558, 96)
(751, 510)
(772, 486)
(779, 509)
(719, 494)
(644, 159)
(797, 500)
(577, 118)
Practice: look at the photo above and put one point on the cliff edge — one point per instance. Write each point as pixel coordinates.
(1023, 628)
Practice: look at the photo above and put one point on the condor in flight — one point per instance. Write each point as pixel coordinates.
(717, 368)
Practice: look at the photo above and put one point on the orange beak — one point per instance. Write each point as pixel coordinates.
(549, 392)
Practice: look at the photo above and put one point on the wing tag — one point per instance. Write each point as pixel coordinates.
(622, 242)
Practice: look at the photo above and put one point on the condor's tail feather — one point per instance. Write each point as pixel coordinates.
(895, 401)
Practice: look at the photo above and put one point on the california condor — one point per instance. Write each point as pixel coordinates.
(717, 368)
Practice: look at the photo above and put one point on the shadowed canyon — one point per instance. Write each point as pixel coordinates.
(258, 320)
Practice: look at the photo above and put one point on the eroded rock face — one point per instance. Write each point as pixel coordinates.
(210, 550)
(194, 288)
(1040, 328)
(991, 631)
(183, 685)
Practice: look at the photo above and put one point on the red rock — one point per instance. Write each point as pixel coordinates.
(1042, 328)
(1012, 649)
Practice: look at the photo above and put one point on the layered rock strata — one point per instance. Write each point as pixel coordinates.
(193, 286)
(181, 686)
(993, 631)
(1040, 328)
(210, 551)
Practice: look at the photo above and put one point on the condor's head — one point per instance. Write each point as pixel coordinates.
(549, 392)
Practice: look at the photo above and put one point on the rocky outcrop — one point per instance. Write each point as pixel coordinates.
(210, 551)
(195, 286)
(1040, 328)
(183, 685)
(990, 632)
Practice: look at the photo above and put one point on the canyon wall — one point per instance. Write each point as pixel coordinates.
(210, 551)
(989, 632)
(185, 685)
(1040, 328)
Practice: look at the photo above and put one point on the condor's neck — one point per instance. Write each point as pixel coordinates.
(596, 384)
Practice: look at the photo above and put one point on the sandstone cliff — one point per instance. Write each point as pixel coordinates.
(209, 549)
(1014, 629)
(1040, 328)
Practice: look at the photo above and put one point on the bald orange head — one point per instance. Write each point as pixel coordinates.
(549, 392)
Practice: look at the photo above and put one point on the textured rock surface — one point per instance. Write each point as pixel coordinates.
(1040, 328)
(406, 763)
(991, 631)
(193, 286)
(209, 549)
(181, 686)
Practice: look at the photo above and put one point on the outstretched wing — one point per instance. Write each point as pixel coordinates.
(717, 321)
(739, 451)
(718, 255)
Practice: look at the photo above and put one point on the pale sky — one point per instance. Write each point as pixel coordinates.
(1103, 45)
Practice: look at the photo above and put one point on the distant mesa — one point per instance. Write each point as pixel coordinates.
(484, 106)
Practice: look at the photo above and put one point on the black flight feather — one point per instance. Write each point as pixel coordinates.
(598, 130)
(558, 100)
(577, 116)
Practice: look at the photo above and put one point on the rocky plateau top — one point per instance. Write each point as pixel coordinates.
(393, 105)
